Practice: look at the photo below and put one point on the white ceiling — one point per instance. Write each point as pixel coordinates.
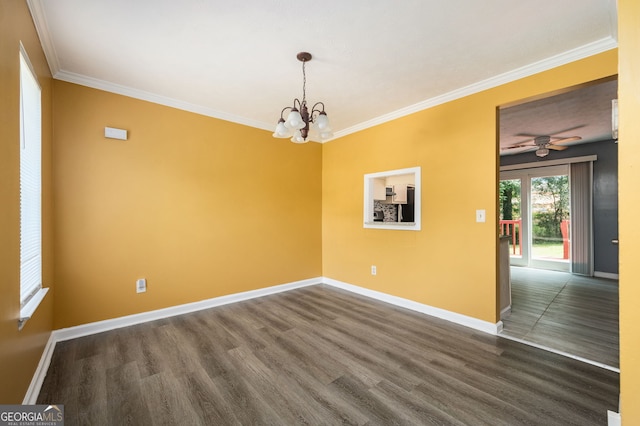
(373, 60)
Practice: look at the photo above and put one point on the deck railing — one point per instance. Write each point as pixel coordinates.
(513, 228)
(566, 242)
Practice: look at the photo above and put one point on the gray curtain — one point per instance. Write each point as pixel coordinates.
(581, 218)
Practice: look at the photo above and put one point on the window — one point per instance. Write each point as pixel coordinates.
(31, 292)
(554, 214)
(392, 199)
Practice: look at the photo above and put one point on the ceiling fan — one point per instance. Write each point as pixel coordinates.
(543, 143)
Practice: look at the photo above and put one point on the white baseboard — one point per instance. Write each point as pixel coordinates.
(480, 325)
(112, 324)
(607, 275)
(613, 418)
(33, 391)
(41, 371)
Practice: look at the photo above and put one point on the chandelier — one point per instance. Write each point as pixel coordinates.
(300, 123)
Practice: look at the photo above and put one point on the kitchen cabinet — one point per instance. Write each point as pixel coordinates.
(379, 190)
(399, 194)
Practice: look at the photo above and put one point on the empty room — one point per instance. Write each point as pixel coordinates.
(291, 212)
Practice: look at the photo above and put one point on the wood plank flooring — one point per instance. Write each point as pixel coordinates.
(570, 313)
(319, 356)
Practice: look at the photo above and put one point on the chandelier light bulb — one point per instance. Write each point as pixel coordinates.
(297, 137)
(314, 131)
(281, 130)
(294, 120)
(323, 122)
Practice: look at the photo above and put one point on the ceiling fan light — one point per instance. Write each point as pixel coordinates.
(281, 130)
(542, 152)
(294, 120)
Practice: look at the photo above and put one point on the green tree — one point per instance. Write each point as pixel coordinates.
(509, 199)
(555, 191)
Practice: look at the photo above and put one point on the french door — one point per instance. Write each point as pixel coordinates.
(535, 214)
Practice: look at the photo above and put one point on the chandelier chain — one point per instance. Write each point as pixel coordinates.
(304, 83)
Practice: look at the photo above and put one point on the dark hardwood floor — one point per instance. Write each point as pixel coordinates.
(569, 313)
(319, 356)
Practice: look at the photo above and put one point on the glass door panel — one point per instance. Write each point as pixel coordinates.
(550, 218)
(534, 213)
(511, 217)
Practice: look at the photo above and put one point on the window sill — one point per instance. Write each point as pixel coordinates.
(29, 309)
(405, 226)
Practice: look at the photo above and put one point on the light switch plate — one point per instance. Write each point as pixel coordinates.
(141, 285)
(481, 216)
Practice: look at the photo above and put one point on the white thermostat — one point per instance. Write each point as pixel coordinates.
(112, 133)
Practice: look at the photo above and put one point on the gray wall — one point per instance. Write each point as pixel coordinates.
(605, 195)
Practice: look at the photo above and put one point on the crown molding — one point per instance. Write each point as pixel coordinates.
(158, 99)
(564, 58)
(39, 20)
(590, 49)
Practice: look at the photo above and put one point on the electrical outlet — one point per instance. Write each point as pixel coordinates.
(374, 270)
(141, 285)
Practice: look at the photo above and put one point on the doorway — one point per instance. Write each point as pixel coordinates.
(559, 300)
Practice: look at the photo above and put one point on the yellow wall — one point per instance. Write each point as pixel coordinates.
(451, 262)
(198, 206)
(20, 350)
(629, 204)
(203, 208)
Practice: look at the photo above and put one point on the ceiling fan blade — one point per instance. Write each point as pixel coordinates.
(556, 147)
(526, 147)
(522, 144)
(566, 140)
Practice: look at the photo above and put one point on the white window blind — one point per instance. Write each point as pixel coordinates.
(30, 182)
